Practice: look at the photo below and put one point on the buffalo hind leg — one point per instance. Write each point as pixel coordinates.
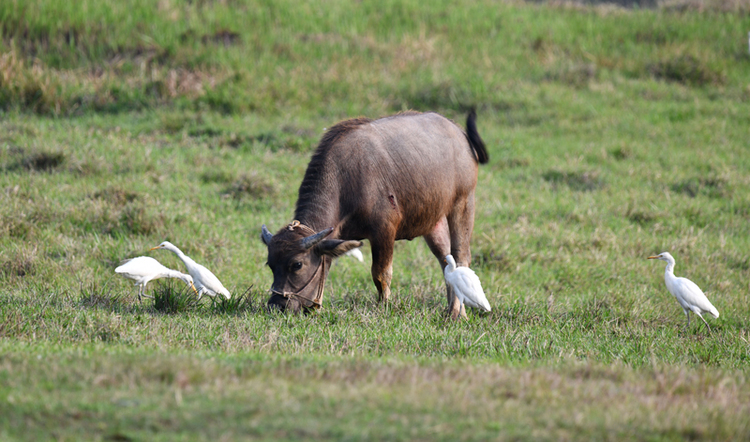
(382, 267)
(439, 241)
(461, 225)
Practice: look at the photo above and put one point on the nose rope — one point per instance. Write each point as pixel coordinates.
(316, 301)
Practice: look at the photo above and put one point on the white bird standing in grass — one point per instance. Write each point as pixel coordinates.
(205, 281)
(688, 294)
(466, 285)
(143, 269)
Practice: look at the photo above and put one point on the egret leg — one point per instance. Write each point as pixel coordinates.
(142, 294)
(687, 313)
(704, 321)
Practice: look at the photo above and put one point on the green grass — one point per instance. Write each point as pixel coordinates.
(613, 134)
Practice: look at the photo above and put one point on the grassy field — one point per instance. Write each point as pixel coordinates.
(613, 134)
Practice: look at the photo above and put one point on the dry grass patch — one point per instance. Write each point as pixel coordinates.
(252, 186)
(109, 214)
(20, 264)
(116, 196)
(440, 96)
(572, 73)
(561, 66)
(492, 259)
(28, 84)
(31, 85)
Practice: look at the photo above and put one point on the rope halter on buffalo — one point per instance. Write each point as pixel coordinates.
(316, 301)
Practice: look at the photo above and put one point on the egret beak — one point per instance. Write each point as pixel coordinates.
(654, 257)
(154, 248)
(193, 287)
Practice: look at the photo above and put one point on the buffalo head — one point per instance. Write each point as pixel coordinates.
(299, 258)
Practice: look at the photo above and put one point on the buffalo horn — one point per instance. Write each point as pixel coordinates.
(313, 240)
(265, 235)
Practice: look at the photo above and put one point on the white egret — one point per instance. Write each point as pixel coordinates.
(356, 254)
(688, 294)
(205, 281)
(466, 285)
(144, 269)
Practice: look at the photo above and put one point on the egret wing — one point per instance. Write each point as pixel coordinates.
(140, 267)
(471, 287)
(694, 296)
(206, 279)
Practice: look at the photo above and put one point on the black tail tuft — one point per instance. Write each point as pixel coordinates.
(474, 139)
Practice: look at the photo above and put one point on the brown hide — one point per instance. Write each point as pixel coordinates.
(400, 177)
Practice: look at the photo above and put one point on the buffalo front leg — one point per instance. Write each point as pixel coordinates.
(382, 268)
(439, 241)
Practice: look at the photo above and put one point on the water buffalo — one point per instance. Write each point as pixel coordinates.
(399, 177)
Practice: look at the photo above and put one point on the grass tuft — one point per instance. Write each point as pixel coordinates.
(511, 163)
(250, 185)
(249, 302)
(686, 69)
(41, 161)
(138, 219)
(108, 215)
(213, 175)
(578, 181)
(642, 218)
(441, 96)
(711, 187)
(102, 298)
(621, 153)
(172, 298)
(492, 260)
(576, 74)
(19, 266)
(116, 196)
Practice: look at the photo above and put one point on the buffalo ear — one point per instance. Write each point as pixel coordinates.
(336, 247)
